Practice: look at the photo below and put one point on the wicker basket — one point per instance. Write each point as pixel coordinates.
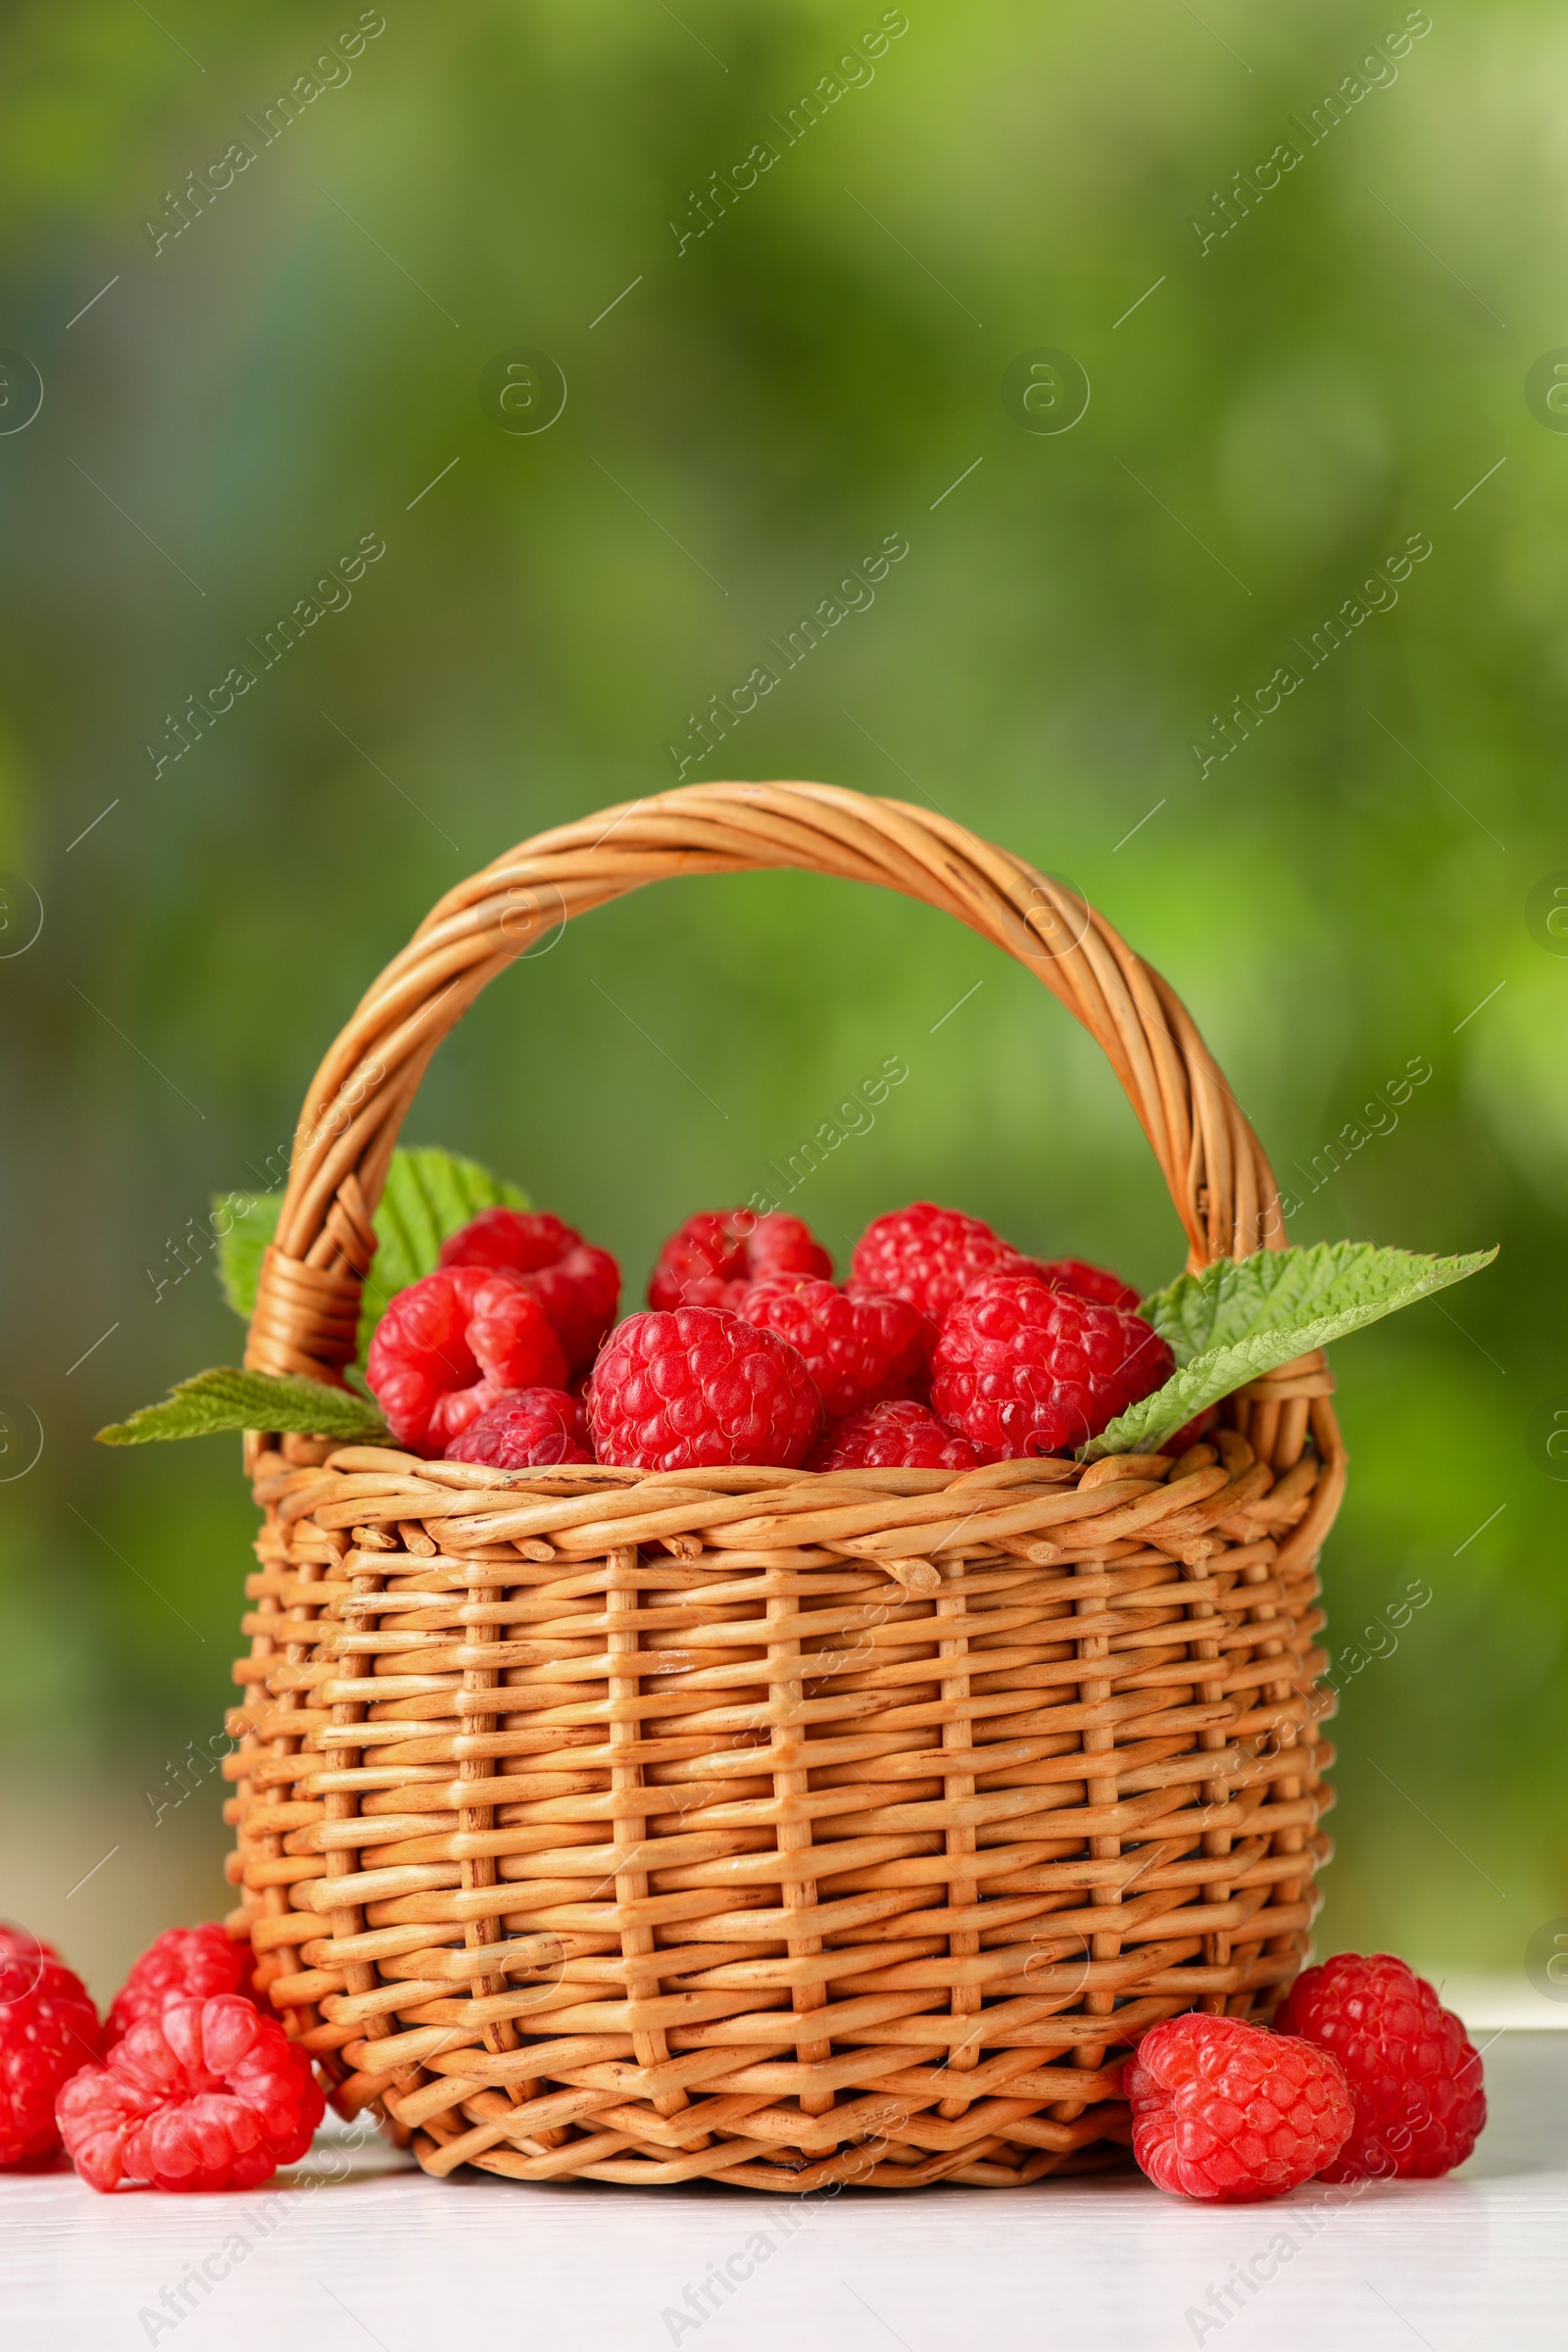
(761, 1825)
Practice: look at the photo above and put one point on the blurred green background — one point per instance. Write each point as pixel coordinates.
(750, 411)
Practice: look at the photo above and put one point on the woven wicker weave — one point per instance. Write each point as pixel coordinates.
(761, 1825)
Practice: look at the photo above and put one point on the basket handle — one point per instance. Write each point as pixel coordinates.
(308, 1297)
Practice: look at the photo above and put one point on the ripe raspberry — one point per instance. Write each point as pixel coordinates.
(929, 1256)
(577, 1285)
(1025, 1370)
(857, 1351)
(717, 1254)
(183, 1964)
(48, 2028)
(1225, 2111)
(1414, 2070)
(697, 1388)
(527, 1429)
(1096, 1284)
(449, 1344)
(900, 1436)
(211, 2095)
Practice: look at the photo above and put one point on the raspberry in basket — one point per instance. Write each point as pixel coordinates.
(1226, 2112)
(529, 1429)
(449, 1344)
(697, 1388)
(48, 2028)
(718, 1253)
(1096, 1284)
(857, 1351)
(208, 2096)
(929, 1256)
(899, 1436)
(183, 1964)
(577, 1285)
(1024, 1370)
(1420, 2106)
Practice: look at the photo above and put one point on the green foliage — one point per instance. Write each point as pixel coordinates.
(228, 1398)
(1240, 1318)
(429, 1195)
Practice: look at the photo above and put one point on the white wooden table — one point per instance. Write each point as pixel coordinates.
(359, 2250)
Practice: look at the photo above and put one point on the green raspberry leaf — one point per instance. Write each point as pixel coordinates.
(428, 1196)
(231, 1399)
(244, 1223)
(1243, 1317)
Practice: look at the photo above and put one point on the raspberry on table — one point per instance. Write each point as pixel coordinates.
(1025, 1370)
(717, 1254)
(697, 1388)
(1096, 1284)
(928, 1255)
(1230, 2113)
(857, 1351)
(1420, 2103)
(211, 2095)
(577, 1285)
(183, 1964)
(48, 2028)
(449, 1344)
(899, 1436)
(527, 1429)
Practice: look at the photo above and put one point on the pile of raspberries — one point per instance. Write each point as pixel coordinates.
(945, 1349)
(189, 2084)
(186, 2085)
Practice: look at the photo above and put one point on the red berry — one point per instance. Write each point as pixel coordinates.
(523, 1240)
(929, 1256)
(211, 2095)
(577, 1285)
(697, 1388)
(718, 1253)
(1224, 2111)
(459, 1329)
(1420, 2106)
(183, 1964)
(857, 1351)
(48, 2028)
(1096, 1284)
(527, 1429)
(1026, 1370)
(900, 1436)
